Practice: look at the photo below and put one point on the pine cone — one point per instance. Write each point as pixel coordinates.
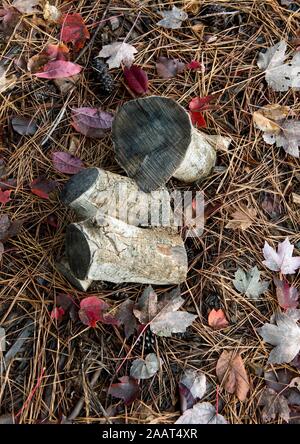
(148, 339)
(102, 75)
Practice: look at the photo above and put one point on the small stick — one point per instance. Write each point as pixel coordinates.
(80, 403)
(58, 119)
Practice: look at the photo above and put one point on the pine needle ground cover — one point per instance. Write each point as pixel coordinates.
(57, 364)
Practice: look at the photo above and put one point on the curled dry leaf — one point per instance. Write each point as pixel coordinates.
(163, 315)
(280, 76)
(126, 317)
(59, 69)
(127, 389)
(66, 163)
(196, 106)
(201, 413)
(168, 68)
(92, 311)
(117, 53)
(172, 19)
(137, 79)
(74, 30)
(249, 282)
(282, 260)
(287, 295)
(285, 336)
(91, 122)
(232, 374)
(192, 387)
(274, 405)
(145, 368)
(217, 319)
(243, 218)
(42, 187)
(6, 82)
(24, 126)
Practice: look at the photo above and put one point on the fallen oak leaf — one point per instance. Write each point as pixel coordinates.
(163, 316)
(249, 282)
(168, 68)
(91, 122)
(217, 319)
(285, 336)
(58, 69)
(42, 187)
(127, 389)
(92, 311)
(118, 52)
(5, 196)
(66, 163)
(231, 372)
(137, 79)
(192, 387)
(282, 260)
(287, 296)
(201, 413)
(274, 405)
(74, 30)
(145, 368)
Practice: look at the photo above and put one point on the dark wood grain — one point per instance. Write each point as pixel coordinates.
(151, 136)
(78, 184)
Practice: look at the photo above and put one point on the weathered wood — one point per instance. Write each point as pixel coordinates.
(81, 284)
(200, 157)
(105, 248)
(154, 139)
(94, 188)
(151, 136)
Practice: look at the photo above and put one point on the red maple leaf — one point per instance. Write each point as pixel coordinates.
(5, 196)
(92, 311)
(74, 30)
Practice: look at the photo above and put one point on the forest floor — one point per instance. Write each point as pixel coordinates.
(64, 369)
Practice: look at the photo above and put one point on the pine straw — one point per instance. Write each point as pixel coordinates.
(71, 354)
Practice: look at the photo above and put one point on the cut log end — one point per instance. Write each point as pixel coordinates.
(77, 251)
(63, 267)
(78, 185)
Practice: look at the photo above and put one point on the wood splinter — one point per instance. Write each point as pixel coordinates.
(105, 248)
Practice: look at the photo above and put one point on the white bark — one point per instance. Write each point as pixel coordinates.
(200, 157)
(117, 196)
(104, 248)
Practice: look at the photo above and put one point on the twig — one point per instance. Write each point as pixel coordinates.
(58, 119)
(80, 403)
(17, 347)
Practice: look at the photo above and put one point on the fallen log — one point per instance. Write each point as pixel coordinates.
(154, 139)
(117, 196)
(81, 284)
(108, 249)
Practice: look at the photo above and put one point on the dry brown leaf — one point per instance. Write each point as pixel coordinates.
(265, 124)
(6, 82)
(198, 28)
(242, 218)
(231, 372)
(192, 6)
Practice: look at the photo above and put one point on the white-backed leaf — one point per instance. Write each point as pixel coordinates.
(172, 19)
(249, 282)
(145, 368)
(117, 53)
(201, 413)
